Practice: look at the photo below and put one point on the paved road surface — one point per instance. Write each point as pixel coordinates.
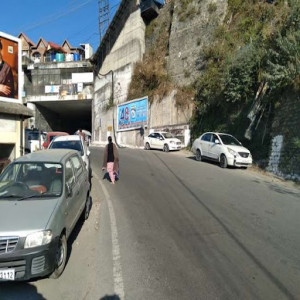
(174, 228)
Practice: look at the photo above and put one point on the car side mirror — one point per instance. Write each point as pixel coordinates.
(161, 138)
(217, 141)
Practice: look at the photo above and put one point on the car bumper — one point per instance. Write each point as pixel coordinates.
(240, 162)
(174, 147)
(30, 263)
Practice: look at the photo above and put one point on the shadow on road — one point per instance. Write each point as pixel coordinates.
(282, 190)
(75, 233)
(106, 176)
(110, 297)
(17, 291)
(211, 162)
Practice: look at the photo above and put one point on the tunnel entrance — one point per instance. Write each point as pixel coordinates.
(63, 115)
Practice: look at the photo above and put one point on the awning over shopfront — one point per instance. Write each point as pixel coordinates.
(16, 109)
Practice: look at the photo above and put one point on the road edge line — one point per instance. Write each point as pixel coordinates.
(117, 267)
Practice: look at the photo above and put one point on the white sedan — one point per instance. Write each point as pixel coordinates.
(223, 148)
(74, 142)
(162, 140)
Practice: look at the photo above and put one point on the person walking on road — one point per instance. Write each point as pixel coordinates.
(111, 160)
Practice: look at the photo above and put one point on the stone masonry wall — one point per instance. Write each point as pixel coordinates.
(190, 33)
(284, 159)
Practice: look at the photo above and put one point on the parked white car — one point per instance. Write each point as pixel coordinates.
(223, 148)
(162, 140)
(73, 142)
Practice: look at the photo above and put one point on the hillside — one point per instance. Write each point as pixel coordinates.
(237, 62)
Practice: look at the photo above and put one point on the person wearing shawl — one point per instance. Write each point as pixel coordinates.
(111, 159)
(6, 78)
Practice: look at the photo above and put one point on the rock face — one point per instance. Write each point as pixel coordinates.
(192, 29)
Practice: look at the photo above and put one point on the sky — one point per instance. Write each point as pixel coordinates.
(74, 20)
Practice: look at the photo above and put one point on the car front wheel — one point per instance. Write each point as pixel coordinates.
(166, 148)
(60, 257)
(223, 161)
(198, 155)
(147, 146)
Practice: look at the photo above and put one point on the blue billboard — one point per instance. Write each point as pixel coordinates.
(133, 114)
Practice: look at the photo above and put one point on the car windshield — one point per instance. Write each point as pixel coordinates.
(167, 135)
(229, 140)
(75, 145)
(31, 180)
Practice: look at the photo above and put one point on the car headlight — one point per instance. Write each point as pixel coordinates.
(232, 152)
(39, 238)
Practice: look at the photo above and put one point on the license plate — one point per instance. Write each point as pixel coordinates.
(7, 274)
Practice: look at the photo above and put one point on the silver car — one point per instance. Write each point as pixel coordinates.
(42, 196)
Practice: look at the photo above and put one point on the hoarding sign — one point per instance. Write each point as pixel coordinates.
(10, 68)
(133, 114)
(52, 89)
(82, 77)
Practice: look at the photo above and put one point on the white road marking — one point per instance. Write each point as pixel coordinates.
(117, 268)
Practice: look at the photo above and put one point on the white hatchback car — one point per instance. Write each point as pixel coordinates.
(223, 148)
(73, 142)
(162, 140)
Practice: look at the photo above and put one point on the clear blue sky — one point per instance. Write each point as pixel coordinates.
(56, 20)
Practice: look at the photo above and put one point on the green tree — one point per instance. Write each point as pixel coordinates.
(283, 58)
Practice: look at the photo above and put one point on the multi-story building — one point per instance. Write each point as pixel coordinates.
(58, 84)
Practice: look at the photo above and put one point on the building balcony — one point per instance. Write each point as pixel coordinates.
(59, 92)
(59, 65)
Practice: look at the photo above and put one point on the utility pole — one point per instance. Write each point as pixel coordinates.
(104, 13)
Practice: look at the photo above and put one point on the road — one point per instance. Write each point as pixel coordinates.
(175, 228)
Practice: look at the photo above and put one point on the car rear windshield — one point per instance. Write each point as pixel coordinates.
(75, 145)
(31, 180)
(229, 140)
